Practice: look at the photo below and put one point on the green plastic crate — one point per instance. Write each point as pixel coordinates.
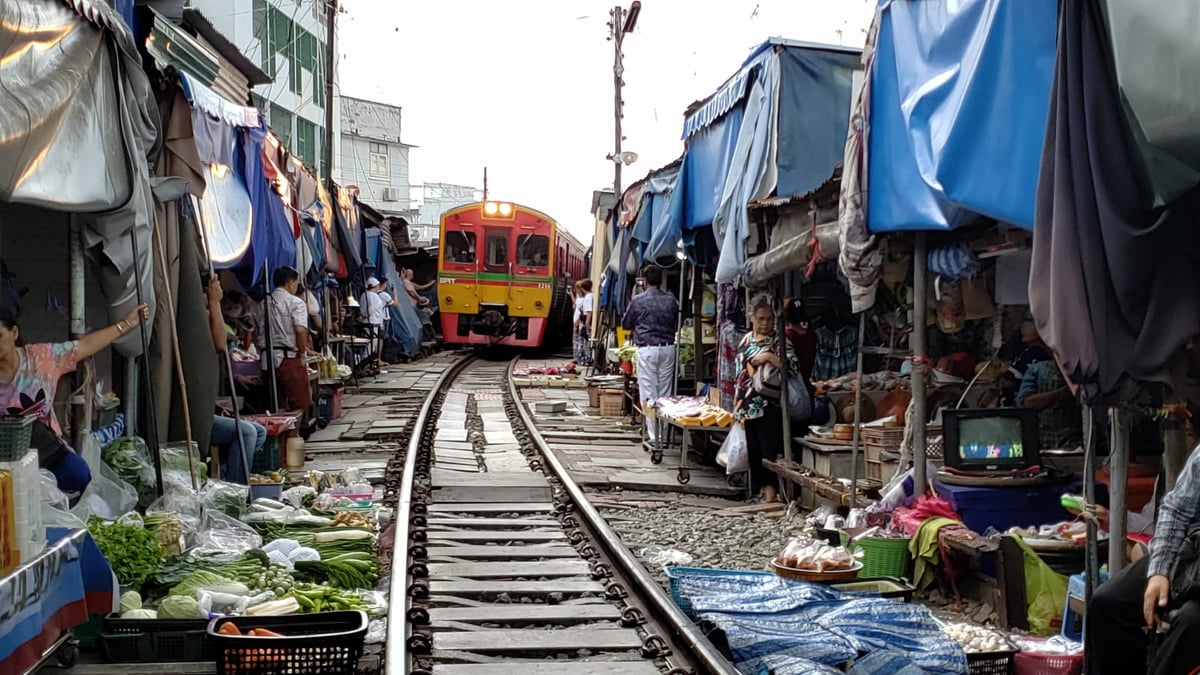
(267, 459)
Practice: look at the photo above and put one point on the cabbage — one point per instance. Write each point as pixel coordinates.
(130, 600)
(180, 607)
(140, 614)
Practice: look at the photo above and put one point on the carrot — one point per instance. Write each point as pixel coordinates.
(263, 632)
(228, 628)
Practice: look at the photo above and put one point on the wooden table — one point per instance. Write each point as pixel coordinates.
(824, 486)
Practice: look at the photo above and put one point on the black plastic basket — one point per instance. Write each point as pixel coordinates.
(15, 435)
(991, 663)
(155, 640)
(327, 643)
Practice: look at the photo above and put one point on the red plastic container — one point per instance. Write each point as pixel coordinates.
(1033, 663)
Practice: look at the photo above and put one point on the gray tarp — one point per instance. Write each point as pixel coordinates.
(76, 124)
(791, 249)
(1157, 59)
(1113, 275)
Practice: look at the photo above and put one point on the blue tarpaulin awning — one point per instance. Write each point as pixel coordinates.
(960, 94)
(777, 126)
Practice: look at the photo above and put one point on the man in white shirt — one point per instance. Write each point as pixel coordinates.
(374, 308)
(288, 317)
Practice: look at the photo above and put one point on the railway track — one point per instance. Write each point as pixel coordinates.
(501, 565)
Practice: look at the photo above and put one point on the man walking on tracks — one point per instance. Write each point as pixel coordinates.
(652, 316)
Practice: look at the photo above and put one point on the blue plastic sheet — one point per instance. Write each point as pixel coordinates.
(655, 216)
(404, 328)
(815, 86)
(783, 626)
(960, 94)
(272, 239)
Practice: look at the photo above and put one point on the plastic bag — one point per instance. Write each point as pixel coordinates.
(106, 496)
(1045, 592)
(376, 632)
(799, 401)
(296, 495)
(175, 466)
(733, 454)
(376, 602)
(130, 459)
(225, 538)
(185, 505)
(662, 557)
(227, 498)
(56, 509)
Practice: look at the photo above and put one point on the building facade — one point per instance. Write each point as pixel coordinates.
(286, 39)
(373, 159)
(436, 199)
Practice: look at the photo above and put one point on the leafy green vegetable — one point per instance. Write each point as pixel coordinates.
(140, 614)
(180, 607)
(133, 552)
(346, 574)
(209, 581)
(130, 600)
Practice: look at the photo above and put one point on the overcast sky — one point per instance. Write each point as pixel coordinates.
(525, 87)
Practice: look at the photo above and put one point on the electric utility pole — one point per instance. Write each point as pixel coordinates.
(621, 23)
(331, 12)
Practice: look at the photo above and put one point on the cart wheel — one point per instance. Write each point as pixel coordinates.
(656, 458)
(683, 476)
(68, 654)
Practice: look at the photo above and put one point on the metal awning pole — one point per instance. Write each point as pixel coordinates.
(858, 385)
(1118, 465)
(152, 413)
(270, 342)
(919, 364)
(1091, 559)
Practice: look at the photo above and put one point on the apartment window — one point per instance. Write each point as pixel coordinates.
(281, 124)
(379, 160)
(306, 141)
(318, 71)
(300, 59)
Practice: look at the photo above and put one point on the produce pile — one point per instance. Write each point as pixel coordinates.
(210, 553)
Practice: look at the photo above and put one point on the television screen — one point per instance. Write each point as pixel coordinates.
(997, 439)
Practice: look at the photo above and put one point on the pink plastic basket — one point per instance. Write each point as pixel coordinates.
(1033, 663)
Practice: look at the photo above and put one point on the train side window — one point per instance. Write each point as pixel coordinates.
(496, 249)
(460, 247)
(533, 250)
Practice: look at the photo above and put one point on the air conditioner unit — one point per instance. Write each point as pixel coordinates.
(391, 194)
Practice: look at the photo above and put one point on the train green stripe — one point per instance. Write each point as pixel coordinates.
(491, 276)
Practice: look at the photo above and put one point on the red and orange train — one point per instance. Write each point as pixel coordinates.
(504, 276)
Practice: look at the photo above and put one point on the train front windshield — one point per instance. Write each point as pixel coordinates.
(533, 250)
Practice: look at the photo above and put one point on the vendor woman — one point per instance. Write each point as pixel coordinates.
(761, 417)
(29, 375)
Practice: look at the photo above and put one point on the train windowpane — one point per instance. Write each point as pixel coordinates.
(460, 247)
(533, 250)
(496, 252)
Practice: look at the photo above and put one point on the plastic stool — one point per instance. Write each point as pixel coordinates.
(1076, 588)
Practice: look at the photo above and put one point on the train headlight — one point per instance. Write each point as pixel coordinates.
(506, 209)
(491, 208)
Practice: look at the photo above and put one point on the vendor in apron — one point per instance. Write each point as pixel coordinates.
(288, 317)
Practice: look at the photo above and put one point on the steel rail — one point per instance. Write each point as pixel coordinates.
(670, 616)
(396, 656)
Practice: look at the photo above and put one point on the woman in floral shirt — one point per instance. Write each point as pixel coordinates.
(761, 417)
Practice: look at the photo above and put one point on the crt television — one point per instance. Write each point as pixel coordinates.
(991, 439)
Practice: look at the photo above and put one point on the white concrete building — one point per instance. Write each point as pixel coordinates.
(436, 199)
(286, 38)
(373, 159)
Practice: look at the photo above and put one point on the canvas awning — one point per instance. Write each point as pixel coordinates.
(77, 121)
(959, 98)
